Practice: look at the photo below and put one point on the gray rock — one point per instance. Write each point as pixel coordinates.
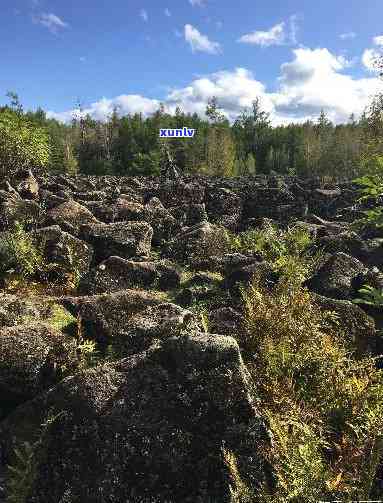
(32, 358)
(124, 239)
(197, 242)
(334, 278)
(174, 423)
(28, 188)
(72, 213)
(59, 247)
(352, 324)
(105, 316)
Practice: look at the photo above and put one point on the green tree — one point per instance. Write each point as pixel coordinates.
(22, 144)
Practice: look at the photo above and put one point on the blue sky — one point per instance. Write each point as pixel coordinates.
(298, 56)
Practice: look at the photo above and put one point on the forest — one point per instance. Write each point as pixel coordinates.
(130, 145)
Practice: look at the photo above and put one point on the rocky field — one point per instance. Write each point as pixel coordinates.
(125, 374)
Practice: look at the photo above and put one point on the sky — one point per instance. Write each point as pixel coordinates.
(297, 56)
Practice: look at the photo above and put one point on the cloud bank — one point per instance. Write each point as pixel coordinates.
(313, 80)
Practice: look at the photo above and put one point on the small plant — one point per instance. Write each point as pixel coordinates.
(19, 252)
(371, 190)
(88, 352)
(287, 251)
(370, 296)
(21, 474)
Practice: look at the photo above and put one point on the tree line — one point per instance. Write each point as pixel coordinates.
(130, 144)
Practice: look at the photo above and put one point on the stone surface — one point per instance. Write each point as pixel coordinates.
(335, 276)
(33, 357)
(124, 239)
(61, 248)
(160, 426)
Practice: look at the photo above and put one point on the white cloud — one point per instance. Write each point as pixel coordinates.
(313, 80)
(293, 22)
(348, 35)
(280, 34)
(378, 40)
(199, 3)
(144, 15)
(50, 21)
(200, 42)
(167, 12)
(370, 58)
(100, 110)
(275, 36)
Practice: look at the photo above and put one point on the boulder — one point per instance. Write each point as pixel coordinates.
(15, 310)
(197, 242)
(153, 322)
(116, 273)
(105, 316)
(68, 252)
(28, 188)
(260, 271)
(176, 423)
(164, 225)
(352, 324)
(124, 239)
(334, 278)
(189, 214)
(176, 192)
(224, 207)
(23, 211)
(224, 263)
(33, 357)
(226, 321)
(70, 214)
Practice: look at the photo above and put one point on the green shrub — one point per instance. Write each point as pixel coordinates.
(287, 251)
(19, 252)
(371, 188)
(22, 143)
(324, 407)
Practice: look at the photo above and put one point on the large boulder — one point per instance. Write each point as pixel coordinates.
(116, 273)
(33, 357)
(70, 215)
(153, 322)
(224, 207)
(176, 423)
(105, 316)
(352, 324)
(124, 239)
(176, 192)
(61, 248)
(334, 278)
(28, 188)
(189, 214)
(244, 276)
(14, 210)
(224, 263)
(164, 225)
(15, 310)
(199, 241)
